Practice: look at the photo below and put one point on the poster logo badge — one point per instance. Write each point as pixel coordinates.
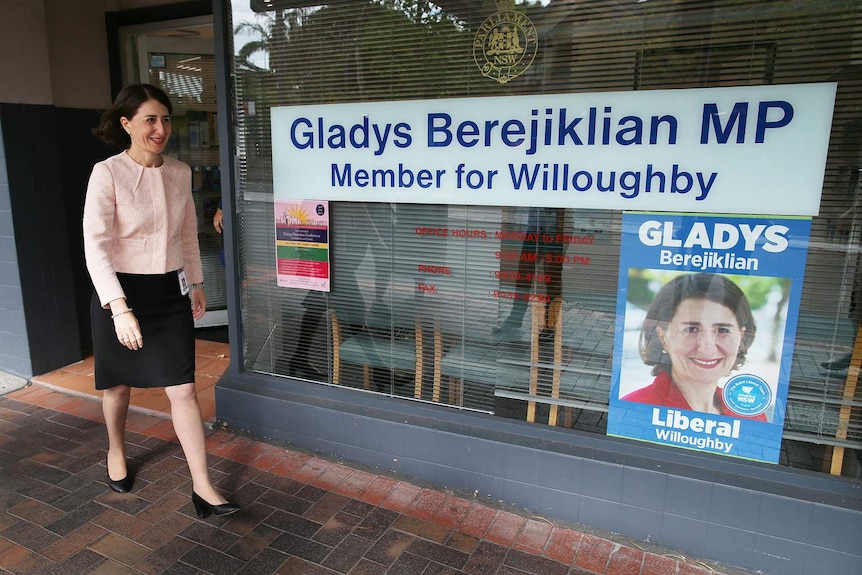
(747, 395)
(505, 45)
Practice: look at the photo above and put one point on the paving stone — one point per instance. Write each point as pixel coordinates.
(30, 536)
(534, 564)
(253, 543)
(485, 559)
(376, 523)
(408, 564)
(368, 567)
(119, 549)
(164, 557)
(390, 546)
(336, 529)
(266, 562)
(438, 553)
(347, 554)
(211, 561)
(84, 561)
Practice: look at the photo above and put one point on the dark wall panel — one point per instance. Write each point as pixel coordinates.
(76, 163)
(34, 147)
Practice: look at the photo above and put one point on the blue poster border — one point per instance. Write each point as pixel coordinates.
(753, 251)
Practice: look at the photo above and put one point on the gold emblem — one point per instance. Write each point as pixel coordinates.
(505, 45)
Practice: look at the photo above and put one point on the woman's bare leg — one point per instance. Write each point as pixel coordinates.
(186, 416)
(115, 407)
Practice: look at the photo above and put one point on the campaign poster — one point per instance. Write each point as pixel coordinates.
(706, 318)
(302, 244)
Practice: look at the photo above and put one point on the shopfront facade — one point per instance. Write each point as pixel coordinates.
(448, 224)
(450, 221)
(62, 63)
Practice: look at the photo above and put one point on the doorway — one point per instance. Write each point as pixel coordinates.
(178, 56)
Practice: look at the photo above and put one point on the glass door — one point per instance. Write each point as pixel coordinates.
(178, 56)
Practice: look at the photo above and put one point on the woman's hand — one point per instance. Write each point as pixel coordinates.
(199, 303)
(218, 220)
(126, 327)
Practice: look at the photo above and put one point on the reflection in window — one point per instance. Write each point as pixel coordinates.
(182, 85)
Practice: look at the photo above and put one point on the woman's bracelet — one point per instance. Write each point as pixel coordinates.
(119, 313)
(197, 286)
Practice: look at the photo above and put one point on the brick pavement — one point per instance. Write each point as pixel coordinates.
(302, 514)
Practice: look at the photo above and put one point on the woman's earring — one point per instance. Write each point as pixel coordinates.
(740, 358)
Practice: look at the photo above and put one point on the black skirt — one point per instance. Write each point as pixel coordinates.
(165, 316)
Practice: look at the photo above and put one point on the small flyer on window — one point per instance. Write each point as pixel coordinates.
(302, 244)
(706, 317)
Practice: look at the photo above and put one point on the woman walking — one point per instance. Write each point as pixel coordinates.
(141, 248)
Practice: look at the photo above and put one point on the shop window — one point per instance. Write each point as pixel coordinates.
(511, 310)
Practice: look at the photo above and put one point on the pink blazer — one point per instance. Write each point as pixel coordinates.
(139, 220)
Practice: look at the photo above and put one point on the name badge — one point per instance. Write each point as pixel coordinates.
(184, 283)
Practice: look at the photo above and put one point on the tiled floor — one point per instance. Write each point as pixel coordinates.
(301, 514)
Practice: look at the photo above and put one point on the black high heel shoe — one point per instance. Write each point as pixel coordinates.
(204, 509)
(123, 485)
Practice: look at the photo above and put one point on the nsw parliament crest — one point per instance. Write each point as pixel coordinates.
(505, 44)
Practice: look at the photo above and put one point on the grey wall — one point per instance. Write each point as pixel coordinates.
(761, 517)
(14, 348)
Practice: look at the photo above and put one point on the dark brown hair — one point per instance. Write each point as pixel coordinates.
(126, 104)
(699, 286)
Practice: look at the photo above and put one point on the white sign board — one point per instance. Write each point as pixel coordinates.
(752, 150)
